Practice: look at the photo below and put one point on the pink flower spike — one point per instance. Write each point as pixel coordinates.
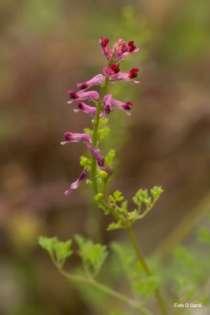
(95, 81)
(107, 51)
(71, 137)
(82, 95)
(110, 102)
(76, 183)
(85, 108)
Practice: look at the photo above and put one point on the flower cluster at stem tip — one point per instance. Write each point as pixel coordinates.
(92, 98)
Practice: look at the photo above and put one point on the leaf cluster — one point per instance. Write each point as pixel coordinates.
(59, 251)
(92, 254)
(116, 205)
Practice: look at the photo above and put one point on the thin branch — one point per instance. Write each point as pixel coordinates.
(158, 295)
(105, 289)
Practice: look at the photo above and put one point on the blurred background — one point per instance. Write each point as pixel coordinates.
(46, 47)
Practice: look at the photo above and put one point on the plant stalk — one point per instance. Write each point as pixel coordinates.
(159, 298)
(99, 106)
(94, 219)
(105, 289)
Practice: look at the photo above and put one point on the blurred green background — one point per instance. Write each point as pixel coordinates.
(45, 47)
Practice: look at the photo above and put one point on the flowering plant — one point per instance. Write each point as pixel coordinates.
(92, 97)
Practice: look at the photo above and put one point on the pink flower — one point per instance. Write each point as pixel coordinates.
(73, 137)
(120, 50)
(111, 69)
(110, 102)
(85, 108)
(96, 153)
(95, 81)
(107, 51)
(76, 183)
(81, 96)
(126, 76)
(70, 137)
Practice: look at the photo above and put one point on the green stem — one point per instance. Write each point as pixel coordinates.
(105, 289)
(95, 140)
(94, 219)
(95, 135)
(158, 295)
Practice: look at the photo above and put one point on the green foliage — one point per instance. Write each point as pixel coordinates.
(59, 251)
(102, 175)
(147, 285)
(187, 266)
(88, 131)
(125, 257)
(142, 197)
(92, 255)
(109, 158)
(189, 261)
(99, 197)
(140, 282)
(95, 298)
(86, 162)
(186, 274)
(117, 206)
(145, 197)
(104, 129)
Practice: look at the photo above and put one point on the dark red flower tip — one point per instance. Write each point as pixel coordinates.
(124, 48)
(83, 86)
(72, 95)
(80, 106)
(67, 136)
(101, 162)
(128, 105)
(131, 46)
(83, 175)
(107, 109)
(104, 41)
(115, 67)
(133, 73)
